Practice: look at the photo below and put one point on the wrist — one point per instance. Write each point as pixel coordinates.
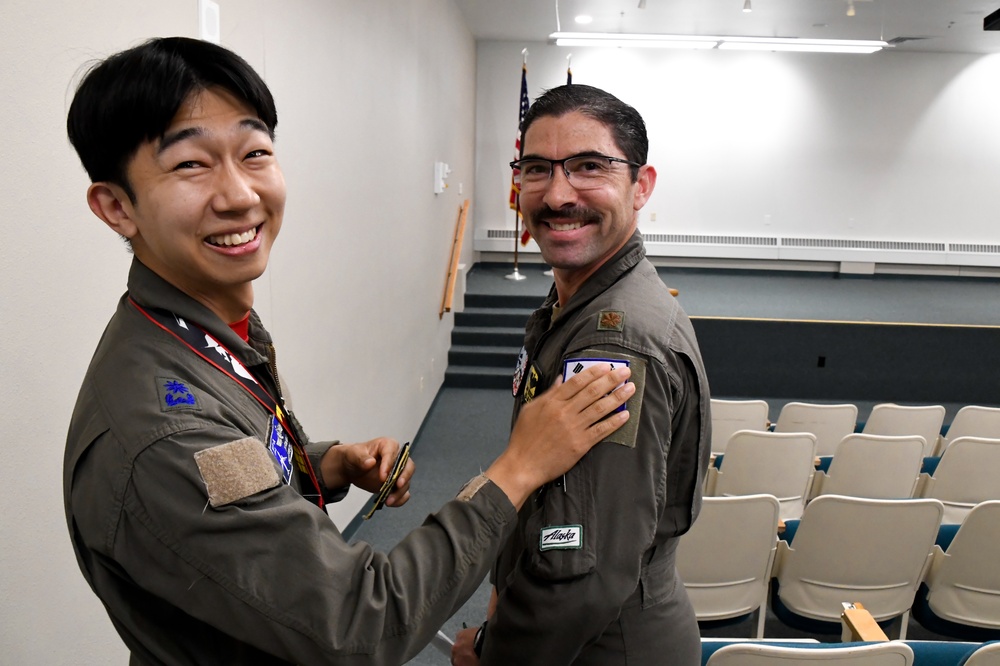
(513, 479)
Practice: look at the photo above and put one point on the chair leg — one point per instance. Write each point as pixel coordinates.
(761, 617)
(904, 620)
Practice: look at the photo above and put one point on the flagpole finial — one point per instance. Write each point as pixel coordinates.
(524, 56)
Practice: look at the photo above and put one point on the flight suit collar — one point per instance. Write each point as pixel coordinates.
(151, 291)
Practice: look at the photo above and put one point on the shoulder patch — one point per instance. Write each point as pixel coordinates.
(577, 361)
(611, 320)
(236, 470)
(175, 395)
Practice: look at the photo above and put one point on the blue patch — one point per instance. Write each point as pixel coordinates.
(281, 448)
(175, 395)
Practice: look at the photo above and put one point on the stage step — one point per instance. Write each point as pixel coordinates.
(487, 338)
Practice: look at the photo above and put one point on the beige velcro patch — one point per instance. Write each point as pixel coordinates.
(470, 489)
(236, 470)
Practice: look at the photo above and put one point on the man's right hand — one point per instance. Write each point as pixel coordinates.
(557, 428)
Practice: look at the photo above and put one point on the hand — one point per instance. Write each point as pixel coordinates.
(557, 428)
(367, 465)
(462, 652)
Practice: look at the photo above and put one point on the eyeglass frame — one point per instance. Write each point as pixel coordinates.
(515, 164)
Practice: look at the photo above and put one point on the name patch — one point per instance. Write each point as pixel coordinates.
(564, 537)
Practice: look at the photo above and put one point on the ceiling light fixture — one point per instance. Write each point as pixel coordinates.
(637, 40)
(746, 7)
(850, 7)
(584, 19)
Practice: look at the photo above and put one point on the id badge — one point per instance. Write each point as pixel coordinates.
(574, 366)
(280, 447)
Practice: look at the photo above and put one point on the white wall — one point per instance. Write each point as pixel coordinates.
(369, 96)
(888, 146)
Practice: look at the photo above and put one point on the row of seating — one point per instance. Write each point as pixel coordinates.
(874, 466)
(881, 553)
(891, 653)
(831, 423)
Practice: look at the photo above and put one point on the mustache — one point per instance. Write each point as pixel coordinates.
(582, 213)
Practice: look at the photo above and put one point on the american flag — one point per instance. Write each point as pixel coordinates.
(515, 179)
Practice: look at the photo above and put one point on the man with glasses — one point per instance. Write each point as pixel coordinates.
(589, 576)
(195, 502)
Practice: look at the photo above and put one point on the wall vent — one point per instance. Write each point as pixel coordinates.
(847, 244)
(973, 247)
(500, 233)
(712, 240)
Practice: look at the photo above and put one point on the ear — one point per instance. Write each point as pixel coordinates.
(644, 186)
(110, 203)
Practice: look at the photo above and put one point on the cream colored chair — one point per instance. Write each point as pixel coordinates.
(963, 581)
(892, 653)
(987, 655)
(756, 462)
(972, 421)
(830, 423)
(967, 474)
(891, 419)
(877, 466)
(725, 559)
(728, 416)
(852, 549)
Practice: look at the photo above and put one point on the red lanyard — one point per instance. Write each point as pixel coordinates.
(199, 340)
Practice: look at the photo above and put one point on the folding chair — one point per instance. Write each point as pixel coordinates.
(830, 423)
(891, 419)
(720, 584)
(728, 416)
(877, 466)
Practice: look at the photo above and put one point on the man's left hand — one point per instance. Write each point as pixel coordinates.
(367, 465)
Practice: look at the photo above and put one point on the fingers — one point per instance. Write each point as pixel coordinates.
(401, 493)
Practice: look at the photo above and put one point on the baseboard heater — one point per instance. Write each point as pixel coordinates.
(854, 251)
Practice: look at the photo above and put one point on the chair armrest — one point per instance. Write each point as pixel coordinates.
(859, 625)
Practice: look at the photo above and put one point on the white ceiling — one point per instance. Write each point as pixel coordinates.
(945, 25)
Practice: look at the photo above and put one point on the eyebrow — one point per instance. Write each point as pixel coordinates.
(586, 153)
(254, 124)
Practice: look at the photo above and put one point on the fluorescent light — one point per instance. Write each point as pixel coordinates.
(636, 40)
(802, 45)
(746, 6)
(633, 40)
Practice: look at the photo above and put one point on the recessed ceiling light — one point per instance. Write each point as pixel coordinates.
(584, 19)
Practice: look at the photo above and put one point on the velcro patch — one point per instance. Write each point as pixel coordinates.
(236, 470)
(563, 537)
(626, 435)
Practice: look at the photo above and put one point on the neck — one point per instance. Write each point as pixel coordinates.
(230, 307)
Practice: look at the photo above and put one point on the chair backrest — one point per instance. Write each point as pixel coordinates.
(728, 416)
(852, 549)
(974, 421)
(964, 582)
(830, 423)
(721, 584)
(892, 653)
(890, 419)
(987, 655)
(968, 473)
(878, 466)
(770, 463)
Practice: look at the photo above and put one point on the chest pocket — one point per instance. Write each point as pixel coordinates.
(560, 543)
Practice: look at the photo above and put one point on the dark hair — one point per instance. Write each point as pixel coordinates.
(627, 127)
(132, 97)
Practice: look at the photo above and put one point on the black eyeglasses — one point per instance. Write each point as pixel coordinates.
(584, 172)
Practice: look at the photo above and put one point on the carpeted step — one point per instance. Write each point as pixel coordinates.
(478, 377)
(483, 355)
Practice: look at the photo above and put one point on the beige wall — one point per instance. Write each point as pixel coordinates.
(369, 96)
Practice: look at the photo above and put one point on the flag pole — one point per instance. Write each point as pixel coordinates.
(515, 184)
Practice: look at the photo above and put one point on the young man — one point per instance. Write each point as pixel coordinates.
(193, 497)
(589, 576)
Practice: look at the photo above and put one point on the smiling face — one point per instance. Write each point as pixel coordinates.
(209, 200)
(578, 231)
